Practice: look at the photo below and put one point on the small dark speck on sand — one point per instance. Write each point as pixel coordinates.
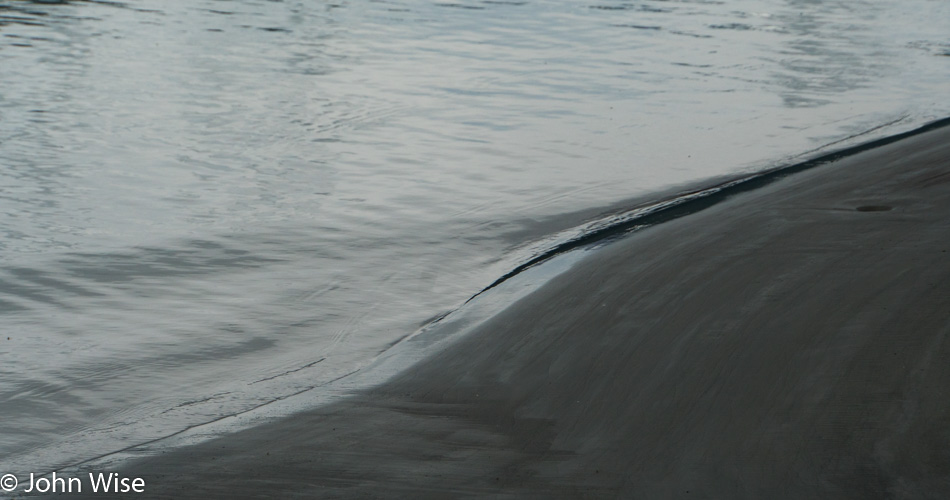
(873, 208)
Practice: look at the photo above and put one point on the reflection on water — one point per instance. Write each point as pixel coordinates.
(206, 206)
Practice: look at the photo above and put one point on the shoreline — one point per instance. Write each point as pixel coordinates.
(786, 341)
(691, 200)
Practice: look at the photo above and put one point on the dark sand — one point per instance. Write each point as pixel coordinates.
(790, 342)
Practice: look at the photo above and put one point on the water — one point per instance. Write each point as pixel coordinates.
(208, 205)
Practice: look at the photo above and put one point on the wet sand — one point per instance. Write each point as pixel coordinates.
(790, 342)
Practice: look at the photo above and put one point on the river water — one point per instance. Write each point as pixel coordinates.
(208, 205)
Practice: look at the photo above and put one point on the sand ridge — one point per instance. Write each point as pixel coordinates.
(790, 342)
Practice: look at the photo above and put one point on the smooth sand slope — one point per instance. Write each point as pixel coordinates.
(790, 342)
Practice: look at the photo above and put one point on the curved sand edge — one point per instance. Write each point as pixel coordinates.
(780, 344)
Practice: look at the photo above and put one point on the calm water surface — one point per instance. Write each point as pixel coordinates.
(208, 205)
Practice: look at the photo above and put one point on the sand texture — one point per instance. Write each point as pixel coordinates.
(790, 342)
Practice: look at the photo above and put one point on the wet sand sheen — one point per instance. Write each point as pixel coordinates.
(790, 342)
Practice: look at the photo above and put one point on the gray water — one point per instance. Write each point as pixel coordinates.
(209, 205)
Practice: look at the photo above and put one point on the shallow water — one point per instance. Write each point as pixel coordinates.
(206, 206)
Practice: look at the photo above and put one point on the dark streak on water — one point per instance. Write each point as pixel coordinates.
(690, 203)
